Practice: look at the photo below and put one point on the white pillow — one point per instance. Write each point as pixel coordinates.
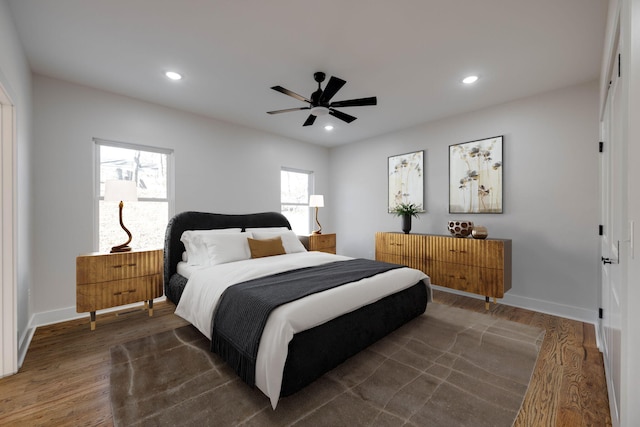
(290, 241)
(195, 247)
(269, 229)
(223, 248)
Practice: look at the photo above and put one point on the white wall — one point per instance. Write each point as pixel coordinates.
(550, 193)
(219, 167)
(550, 200)
(15, 78)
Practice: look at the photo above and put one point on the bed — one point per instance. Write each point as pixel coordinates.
(311, 346)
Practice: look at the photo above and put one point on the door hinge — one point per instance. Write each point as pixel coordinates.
(619, 64)
(600, 230)
(600, 146)
(600, 313)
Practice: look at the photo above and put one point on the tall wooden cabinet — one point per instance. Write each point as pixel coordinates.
(477, 266)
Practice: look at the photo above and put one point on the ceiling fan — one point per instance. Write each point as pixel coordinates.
(320, 104)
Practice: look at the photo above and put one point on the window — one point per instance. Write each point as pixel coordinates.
(152, 170)
(295, 188)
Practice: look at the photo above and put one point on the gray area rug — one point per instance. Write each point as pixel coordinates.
(449, 367)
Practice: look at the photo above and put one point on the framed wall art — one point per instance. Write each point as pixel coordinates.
(406, 180)
(475, 176)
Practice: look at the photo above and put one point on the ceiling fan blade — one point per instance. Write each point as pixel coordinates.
(334, 85)
(288, 110)
(342, 116)
(309, 120)
(290, 93)
(355, 102)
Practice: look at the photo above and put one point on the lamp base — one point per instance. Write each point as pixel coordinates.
(125, 246)
(316, 232)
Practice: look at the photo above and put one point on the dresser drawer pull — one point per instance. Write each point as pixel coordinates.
(453, 250)
(128, 291)
(133, 264)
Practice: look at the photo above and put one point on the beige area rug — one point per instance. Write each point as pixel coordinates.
(449, 367)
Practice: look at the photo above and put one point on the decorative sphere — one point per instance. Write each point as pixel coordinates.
(479, 232)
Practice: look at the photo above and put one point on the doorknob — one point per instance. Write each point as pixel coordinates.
(606, 260)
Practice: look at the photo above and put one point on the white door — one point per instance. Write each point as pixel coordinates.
(613, 207)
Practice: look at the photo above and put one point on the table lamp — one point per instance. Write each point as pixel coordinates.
(121, 190)
(316, 201)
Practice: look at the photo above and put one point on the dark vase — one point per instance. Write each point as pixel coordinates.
(406, 223)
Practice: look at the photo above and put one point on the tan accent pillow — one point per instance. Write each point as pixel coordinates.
(266, 247)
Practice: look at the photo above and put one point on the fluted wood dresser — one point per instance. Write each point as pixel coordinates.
(105, 280)
(477, 266)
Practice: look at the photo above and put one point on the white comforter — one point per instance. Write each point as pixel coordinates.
(206, 285)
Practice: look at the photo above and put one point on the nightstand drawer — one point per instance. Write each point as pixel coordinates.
(92, 297)
(320, 242)
(108, 267)
(323, 241)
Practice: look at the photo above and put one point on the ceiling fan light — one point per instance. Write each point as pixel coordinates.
(319, 111)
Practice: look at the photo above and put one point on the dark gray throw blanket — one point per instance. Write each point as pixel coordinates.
(244, 308)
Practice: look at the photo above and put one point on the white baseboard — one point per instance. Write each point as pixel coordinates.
(23, 344)
(54, 316)
(547, 307)
(69, 313)
(61, 315)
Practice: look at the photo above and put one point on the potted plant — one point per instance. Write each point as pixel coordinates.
(406, 211)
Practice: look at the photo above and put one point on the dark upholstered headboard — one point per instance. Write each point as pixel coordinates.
(184, 221)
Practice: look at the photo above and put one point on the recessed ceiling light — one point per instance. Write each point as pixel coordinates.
(470, 79)
(173, 75)
(328, 127)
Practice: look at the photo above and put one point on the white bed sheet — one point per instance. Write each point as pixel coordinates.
(206, 285)
(185, 270)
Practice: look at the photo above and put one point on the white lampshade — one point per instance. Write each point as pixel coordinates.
(316, 201)
(120, 191)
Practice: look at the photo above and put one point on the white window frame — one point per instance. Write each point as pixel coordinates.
(96, 187)
(310, 191)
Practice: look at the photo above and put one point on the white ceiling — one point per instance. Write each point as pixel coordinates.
(411, 54)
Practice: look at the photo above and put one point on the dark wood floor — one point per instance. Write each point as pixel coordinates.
(64, 380)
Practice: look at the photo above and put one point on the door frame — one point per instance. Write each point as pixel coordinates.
(8, 289)
(613, 218)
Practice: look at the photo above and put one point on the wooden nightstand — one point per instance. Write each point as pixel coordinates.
(320, 242)
(105, 280)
